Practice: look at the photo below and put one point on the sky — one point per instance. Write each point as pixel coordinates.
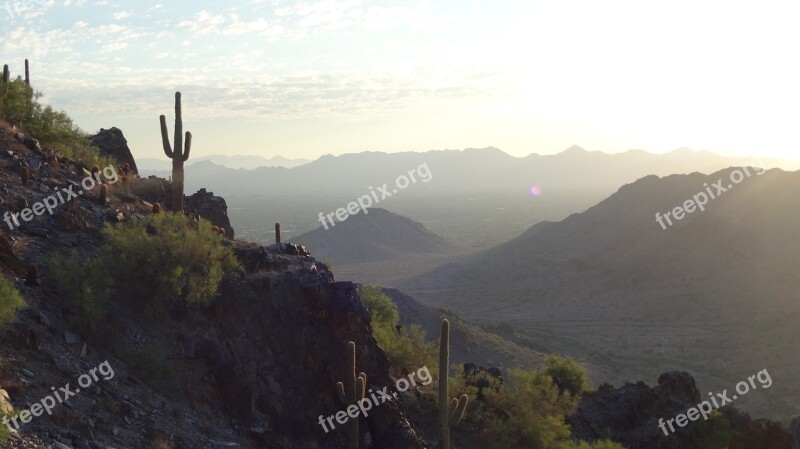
(303, 79)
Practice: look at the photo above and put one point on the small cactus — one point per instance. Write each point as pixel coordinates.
(157, 208)
(23, 173)
(277, 232)
(450, 410)
(350, 392)
(102, 197)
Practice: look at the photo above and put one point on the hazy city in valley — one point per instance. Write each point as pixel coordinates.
(374, 224)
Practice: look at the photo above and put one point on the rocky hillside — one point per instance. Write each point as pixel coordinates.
(254, 370)
(257, 368)
(716, 289)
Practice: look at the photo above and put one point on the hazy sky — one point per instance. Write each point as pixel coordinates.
(307, 78)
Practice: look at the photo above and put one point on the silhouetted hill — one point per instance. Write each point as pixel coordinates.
(372, 236)
(711, 291)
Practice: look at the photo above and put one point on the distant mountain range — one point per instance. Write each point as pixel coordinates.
(149, 166)
(370, 237)
(484, 170)
(709, 294)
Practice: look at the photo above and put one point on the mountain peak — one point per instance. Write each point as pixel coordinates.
(575, 149)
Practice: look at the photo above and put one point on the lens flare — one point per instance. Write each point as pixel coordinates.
(536, 190)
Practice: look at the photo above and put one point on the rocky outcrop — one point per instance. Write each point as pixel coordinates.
(273, 347)
(212, 208)
(762, 433)
(630, 415)
(113, 144)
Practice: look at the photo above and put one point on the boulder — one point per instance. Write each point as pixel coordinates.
(112, 144)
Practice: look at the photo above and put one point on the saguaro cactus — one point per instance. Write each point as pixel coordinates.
(27, 74)
(450, 410)
(179, 155)
(352, 391)
(6, 74)
(277, 232)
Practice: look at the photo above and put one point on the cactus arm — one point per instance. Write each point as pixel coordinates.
(178, 124)
(362, 392)
(341, 392)
(165, 137)
(459, 406)
(187, 146)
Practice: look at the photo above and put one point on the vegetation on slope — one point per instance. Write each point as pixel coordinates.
(158, 262)
(19, 104)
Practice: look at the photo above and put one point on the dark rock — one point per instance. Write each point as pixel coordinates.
(112, 144)
(794, 428)
(762, 433)
(630, 415)
(212, 208)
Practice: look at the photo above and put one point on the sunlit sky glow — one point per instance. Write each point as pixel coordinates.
(307, 78)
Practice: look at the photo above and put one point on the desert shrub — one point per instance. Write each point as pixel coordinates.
(17, 100)
(5, 432)
(85, 286)
(567, 374)
(153, 262)
(52, 128)
(10, 302)
(714, 432)
(528, 411)
(600, 444)
(406, 349)
(169, 258)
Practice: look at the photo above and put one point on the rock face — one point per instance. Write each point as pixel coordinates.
(630, 415)
(274, 346)
(113, 144)
(762, 433)
(212, 208)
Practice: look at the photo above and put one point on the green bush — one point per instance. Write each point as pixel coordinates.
(567, 374)
(17, 101)
(53, 129)
(527, 412)
(10, 302)
(86, 286)
(406, 349)
(152, 262)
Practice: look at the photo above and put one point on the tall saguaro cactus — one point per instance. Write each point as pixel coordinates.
(450, 410)
(27, 74)
(277, 232)
(6, 74)
(352, 391)
(179, 155)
